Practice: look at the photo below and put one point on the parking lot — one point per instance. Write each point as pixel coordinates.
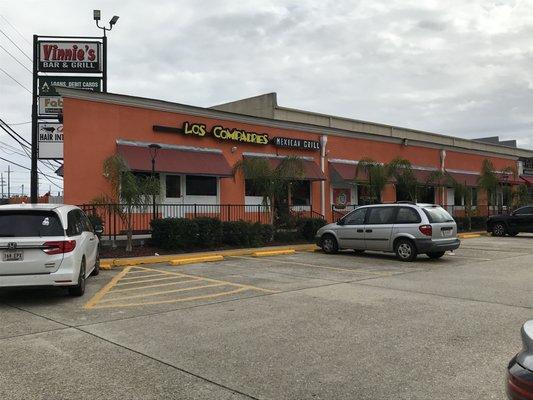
(300, 326)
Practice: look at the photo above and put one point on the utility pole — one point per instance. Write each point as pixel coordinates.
(22, 190)
(8, 181)
(2, 183)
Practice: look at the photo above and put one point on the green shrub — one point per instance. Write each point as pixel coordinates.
(287, 236)
(174, 233)
(307, 227)
(209, 232)
(267, 233)
(95, 220)
(235, 233)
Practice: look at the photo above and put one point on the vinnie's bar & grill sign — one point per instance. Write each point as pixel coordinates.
(69, 56)
(239, 135)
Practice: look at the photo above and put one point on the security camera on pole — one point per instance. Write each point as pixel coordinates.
(62, 61)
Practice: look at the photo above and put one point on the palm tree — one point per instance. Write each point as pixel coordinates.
(402, 171)
(520, 196)
(268, 180)
(488, 181)
(377, 175)
(127, 192)
(441, 179)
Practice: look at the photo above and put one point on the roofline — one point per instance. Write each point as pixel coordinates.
(444, 142)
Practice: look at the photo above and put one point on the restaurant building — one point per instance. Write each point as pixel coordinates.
(200, 146)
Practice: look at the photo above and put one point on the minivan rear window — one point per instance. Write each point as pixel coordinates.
(437, 214)
(15, 223)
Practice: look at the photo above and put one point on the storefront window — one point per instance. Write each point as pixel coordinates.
(201, 185)
(141, 177)
(301, 193)
(474, 196)
(250, 189)
(364, 195)
(457, 199)
(173, 183)
(426, 194)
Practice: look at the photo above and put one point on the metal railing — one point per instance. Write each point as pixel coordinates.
(114, 217)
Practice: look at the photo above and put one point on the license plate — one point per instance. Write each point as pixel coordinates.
(13, 255)
(447, 232)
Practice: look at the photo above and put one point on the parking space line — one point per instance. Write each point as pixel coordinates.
(209, 296)
(102, 292)
(142, 277)
(163, 292)
(146, 280)
(317, 266)
(152, 286)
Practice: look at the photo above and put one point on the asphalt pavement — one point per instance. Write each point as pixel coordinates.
(300, 326)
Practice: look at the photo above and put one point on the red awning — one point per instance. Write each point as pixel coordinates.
(345, 172)
(312, 171)
(422, 175)
(464, 179)
(528, 179)
(178, 161)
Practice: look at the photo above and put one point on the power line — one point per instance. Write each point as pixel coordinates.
(14, 44)
(28, 169)
(16, 30)
(20, 84)
(16, 59)
(17, 123)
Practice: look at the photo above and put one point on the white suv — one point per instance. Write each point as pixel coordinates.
(47, 245)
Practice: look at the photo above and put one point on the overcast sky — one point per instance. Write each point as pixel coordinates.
(455, 67)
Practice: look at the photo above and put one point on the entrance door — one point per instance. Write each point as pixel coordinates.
(173, 196)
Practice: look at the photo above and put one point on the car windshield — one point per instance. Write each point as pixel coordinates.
(16, 223)
(437, 214)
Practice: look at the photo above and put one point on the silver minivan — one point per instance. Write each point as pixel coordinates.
(404, 228)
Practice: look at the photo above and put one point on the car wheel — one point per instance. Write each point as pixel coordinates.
(436, 254)
(329, 244)
(405, 250)
(79, 289)
(498, 230)
(358, 251)
(96, 269)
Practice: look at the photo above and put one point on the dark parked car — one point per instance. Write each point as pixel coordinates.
(520, 369)
(520, 220)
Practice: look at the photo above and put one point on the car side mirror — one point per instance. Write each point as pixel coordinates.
(99, 230)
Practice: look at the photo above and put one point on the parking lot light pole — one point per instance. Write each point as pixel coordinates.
(154, 148)
(112, 22)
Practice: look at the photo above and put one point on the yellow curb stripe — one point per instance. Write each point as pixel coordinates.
(107, 300)
(469, 236)
(273, 253)
(196, 260)
(209, 296)
(131, 278)
(98, 296)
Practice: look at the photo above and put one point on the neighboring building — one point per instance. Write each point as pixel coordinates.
(201, 145)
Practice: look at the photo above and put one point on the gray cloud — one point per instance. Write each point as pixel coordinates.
(455, 67)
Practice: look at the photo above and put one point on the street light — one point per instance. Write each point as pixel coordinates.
(153, 148)
(97, 16)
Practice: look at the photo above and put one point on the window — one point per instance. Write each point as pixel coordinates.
(402, 194)
(173, 186)
(29, 224)
(201, 185)
(356, 217)
(140, 177)
(437, 214)
(457, 199)
(426, 194)
(524, 211)
(75, 225)
(364, 195)
(380, 215)
(301, 193)
(251, 189)
(474, 196)
(87, 226)
(407, 215)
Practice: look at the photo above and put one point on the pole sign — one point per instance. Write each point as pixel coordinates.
(50, 105)
(48, 84)
(69, 56)
(50, 140)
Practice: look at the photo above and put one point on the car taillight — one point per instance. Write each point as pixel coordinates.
(426, 230)
(59, 247)
(519, 382)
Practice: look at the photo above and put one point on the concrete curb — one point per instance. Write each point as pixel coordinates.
(471, 235)
(110, 263)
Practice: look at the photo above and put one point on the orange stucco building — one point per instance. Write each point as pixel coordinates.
(199, 147)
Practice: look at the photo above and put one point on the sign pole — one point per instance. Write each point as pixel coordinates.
(34, 178)
(104, 62)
